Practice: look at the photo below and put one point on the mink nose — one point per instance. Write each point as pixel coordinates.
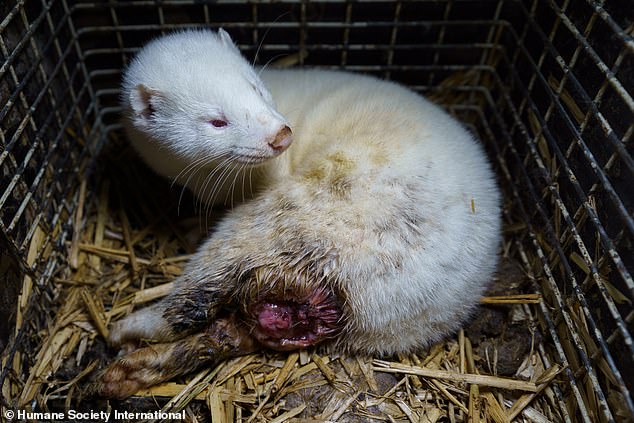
(282, 139)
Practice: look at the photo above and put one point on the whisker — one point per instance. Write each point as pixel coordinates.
(255, 58)
(187, 169)
(244, 175)
(218, 182)
(211, 177)
(218, 185)
(233, 184)
(203, 199)
(191, 169)
(200, 199)
(269, 62)
(251, 182)
(222, 180)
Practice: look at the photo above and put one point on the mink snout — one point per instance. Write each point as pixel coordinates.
(282, 139)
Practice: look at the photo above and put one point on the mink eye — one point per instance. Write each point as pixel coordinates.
(218, 123)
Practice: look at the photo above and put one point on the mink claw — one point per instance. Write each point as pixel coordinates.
(119, 381)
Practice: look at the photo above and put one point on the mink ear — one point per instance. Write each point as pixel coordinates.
(143, 101)
(226, 39)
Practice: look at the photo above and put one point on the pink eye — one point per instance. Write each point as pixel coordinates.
(218, 123)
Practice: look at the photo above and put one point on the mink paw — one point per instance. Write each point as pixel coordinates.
(121, 380)
(139, 369)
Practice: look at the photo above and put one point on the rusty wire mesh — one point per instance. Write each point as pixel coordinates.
(547, 85)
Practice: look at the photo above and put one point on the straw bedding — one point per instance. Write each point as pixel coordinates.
(133, 233)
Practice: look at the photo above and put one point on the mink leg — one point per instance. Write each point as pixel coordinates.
(187, 310)
(146, 324)
(147, 366)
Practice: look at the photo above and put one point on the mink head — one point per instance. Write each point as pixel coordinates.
(195, 95)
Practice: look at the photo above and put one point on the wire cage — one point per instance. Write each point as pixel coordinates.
(547, 85)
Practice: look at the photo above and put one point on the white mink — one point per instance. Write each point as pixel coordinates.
(377, 230)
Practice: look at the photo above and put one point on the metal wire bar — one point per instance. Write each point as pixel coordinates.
(10, 58)
(605, 238)
(582, 197)
(536, 202)
(39, 177)
(563, 258)
(582, 40)
(616, 29)
(609, 78)
(559, 157)
(48, 208)
(520, 204)
(10, 101)
(31, 111)
(483, 123)
(592, 163)
(42, 282)
(282, 25)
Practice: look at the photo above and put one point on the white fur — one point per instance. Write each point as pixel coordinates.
(413, 218)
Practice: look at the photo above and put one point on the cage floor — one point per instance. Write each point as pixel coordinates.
(136, 239)
(89, 234)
